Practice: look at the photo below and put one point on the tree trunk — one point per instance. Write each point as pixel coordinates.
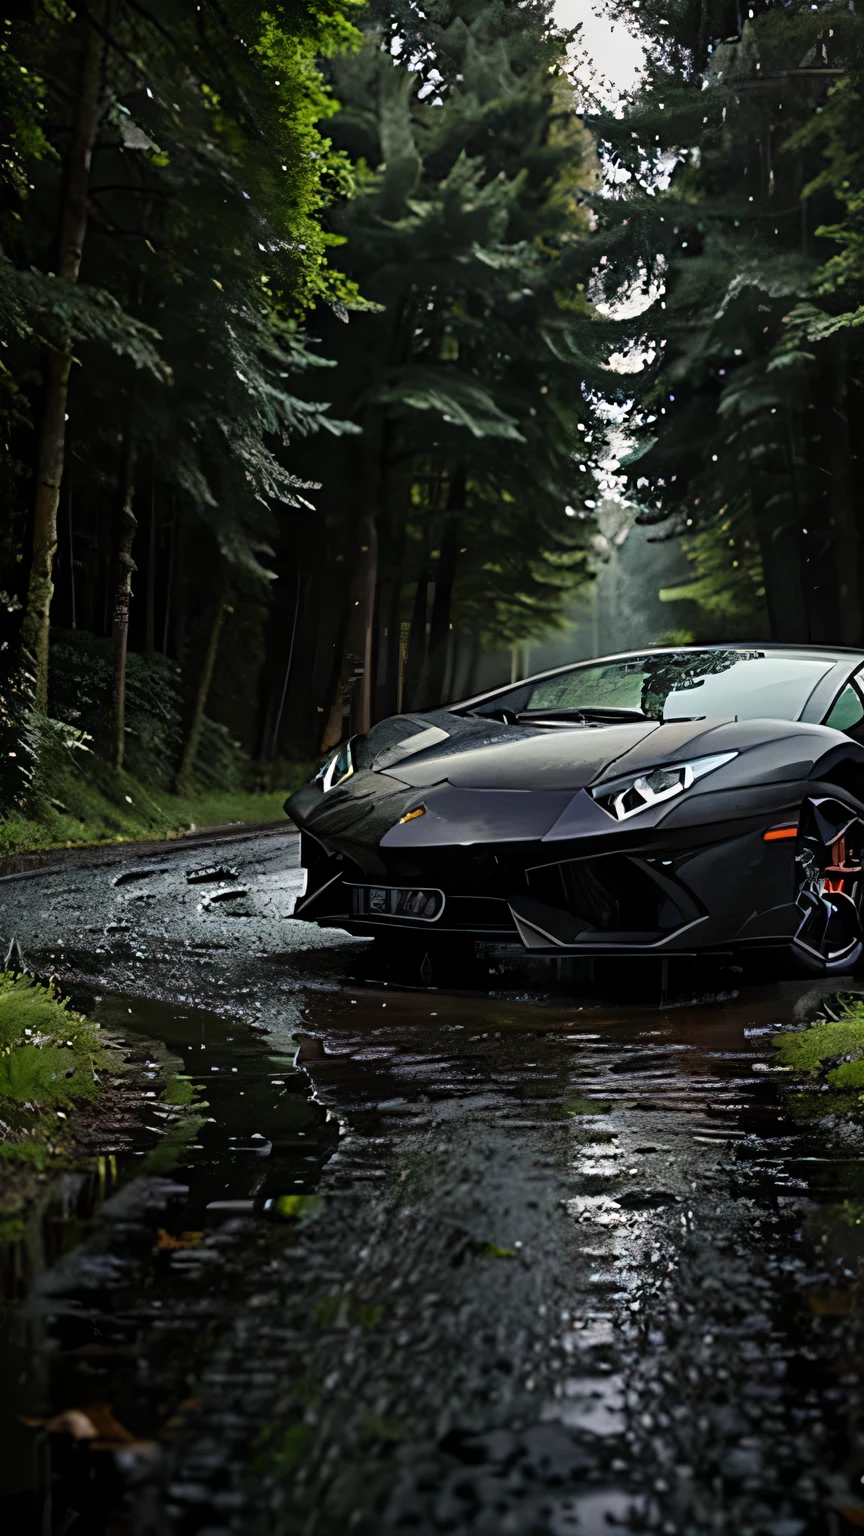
(181, 593)
(470, 683)
(122, 599)
(837, 618)
(52, 437)
(358, 645)
(193, 725)
(361, 617)
(274, 739)
(778, 518)
(445, 578)
(169, 584)
(390, 575)
(333, 728)
(387, 693)
(150, 606)
(415, 661)
(74, 605)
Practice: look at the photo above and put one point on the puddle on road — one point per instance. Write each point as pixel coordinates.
(120, 1263)
(697, 1344)
(621, 1202)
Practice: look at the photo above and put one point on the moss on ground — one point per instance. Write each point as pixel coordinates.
(108, 807)
(830, 1052)
(835, 1038)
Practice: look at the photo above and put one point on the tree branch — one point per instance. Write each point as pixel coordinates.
(111, 41)
(146, 16)
(140, 191)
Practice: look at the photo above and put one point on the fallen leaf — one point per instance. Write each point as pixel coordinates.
(97, 1423)
(166, 1241)
(73, 1422)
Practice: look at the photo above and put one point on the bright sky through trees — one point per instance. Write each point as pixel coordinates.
(605, 51)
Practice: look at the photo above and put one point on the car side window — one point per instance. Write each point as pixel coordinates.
(847, 712)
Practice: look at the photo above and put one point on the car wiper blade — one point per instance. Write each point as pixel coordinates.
(580, 712)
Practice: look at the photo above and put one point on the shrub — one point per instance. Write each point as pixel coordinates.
(82, 673)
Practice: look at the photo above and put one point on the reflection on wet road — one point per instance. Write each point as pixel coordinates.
(477, 1263)
(567, 1274)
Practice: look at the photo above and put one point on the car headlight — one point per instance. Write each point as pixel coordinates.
(637, 792)
(336, 768)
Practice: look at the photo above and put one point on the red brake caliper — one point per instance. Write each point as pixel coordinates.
(836, 871)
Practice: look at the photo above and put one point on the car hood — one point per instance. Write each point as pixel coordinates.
(488, 755)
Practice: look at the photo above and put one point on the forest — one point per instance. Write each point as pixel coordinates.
(451, 296)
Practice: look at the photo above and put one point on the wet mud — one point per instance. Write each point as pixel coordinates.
(508, 1261)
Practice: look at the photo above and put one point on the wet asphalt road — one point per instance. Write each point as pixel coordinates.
(561, 1265)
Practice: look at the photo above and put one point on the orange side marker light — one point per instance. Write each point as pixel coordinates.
(779, 834)
(412, 815)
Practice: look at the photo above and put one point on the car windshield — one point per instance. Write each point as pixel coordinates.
(751, 684)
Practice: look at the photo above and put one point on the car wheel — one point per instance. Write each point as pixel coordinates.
(829, 940)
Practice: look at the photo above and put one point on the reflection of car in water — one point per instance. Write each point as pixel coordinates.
(667, 802)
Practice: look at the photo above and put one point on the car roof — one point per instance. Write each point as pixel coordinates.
(837, 653)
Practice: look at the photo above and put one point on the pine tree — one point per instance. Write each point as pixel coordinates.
(469, 382)
(753, 405)
(201, 177)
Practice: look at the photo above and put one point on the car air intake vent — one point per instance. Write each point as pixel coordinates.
(614, 894)
(586, 895)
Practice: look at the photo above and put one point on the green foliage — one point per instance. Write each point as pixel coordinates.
(728, 583)
(49, 1054)
(52, 311)
(179, 1091)
(36, 1075)
(473, 370)
(172, 1146)
(27, 1154)
(22, 113)
(105, 807)
(82, 669)
(62, 791)
(809, 1050)
(831, 1050)
(749, 412)
(297, 1207)
(204, 250)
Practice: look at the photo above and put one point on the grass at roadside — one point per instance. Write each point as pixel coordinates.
(51, 1061)
(832, 1048)
(115, 807)
(66, 1086)
(828, 1058)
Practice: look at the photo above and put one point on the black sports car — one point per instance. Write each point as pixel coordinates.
(666, 802)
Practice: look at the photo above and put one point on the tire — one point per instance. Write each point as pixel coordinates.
(830, 939)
